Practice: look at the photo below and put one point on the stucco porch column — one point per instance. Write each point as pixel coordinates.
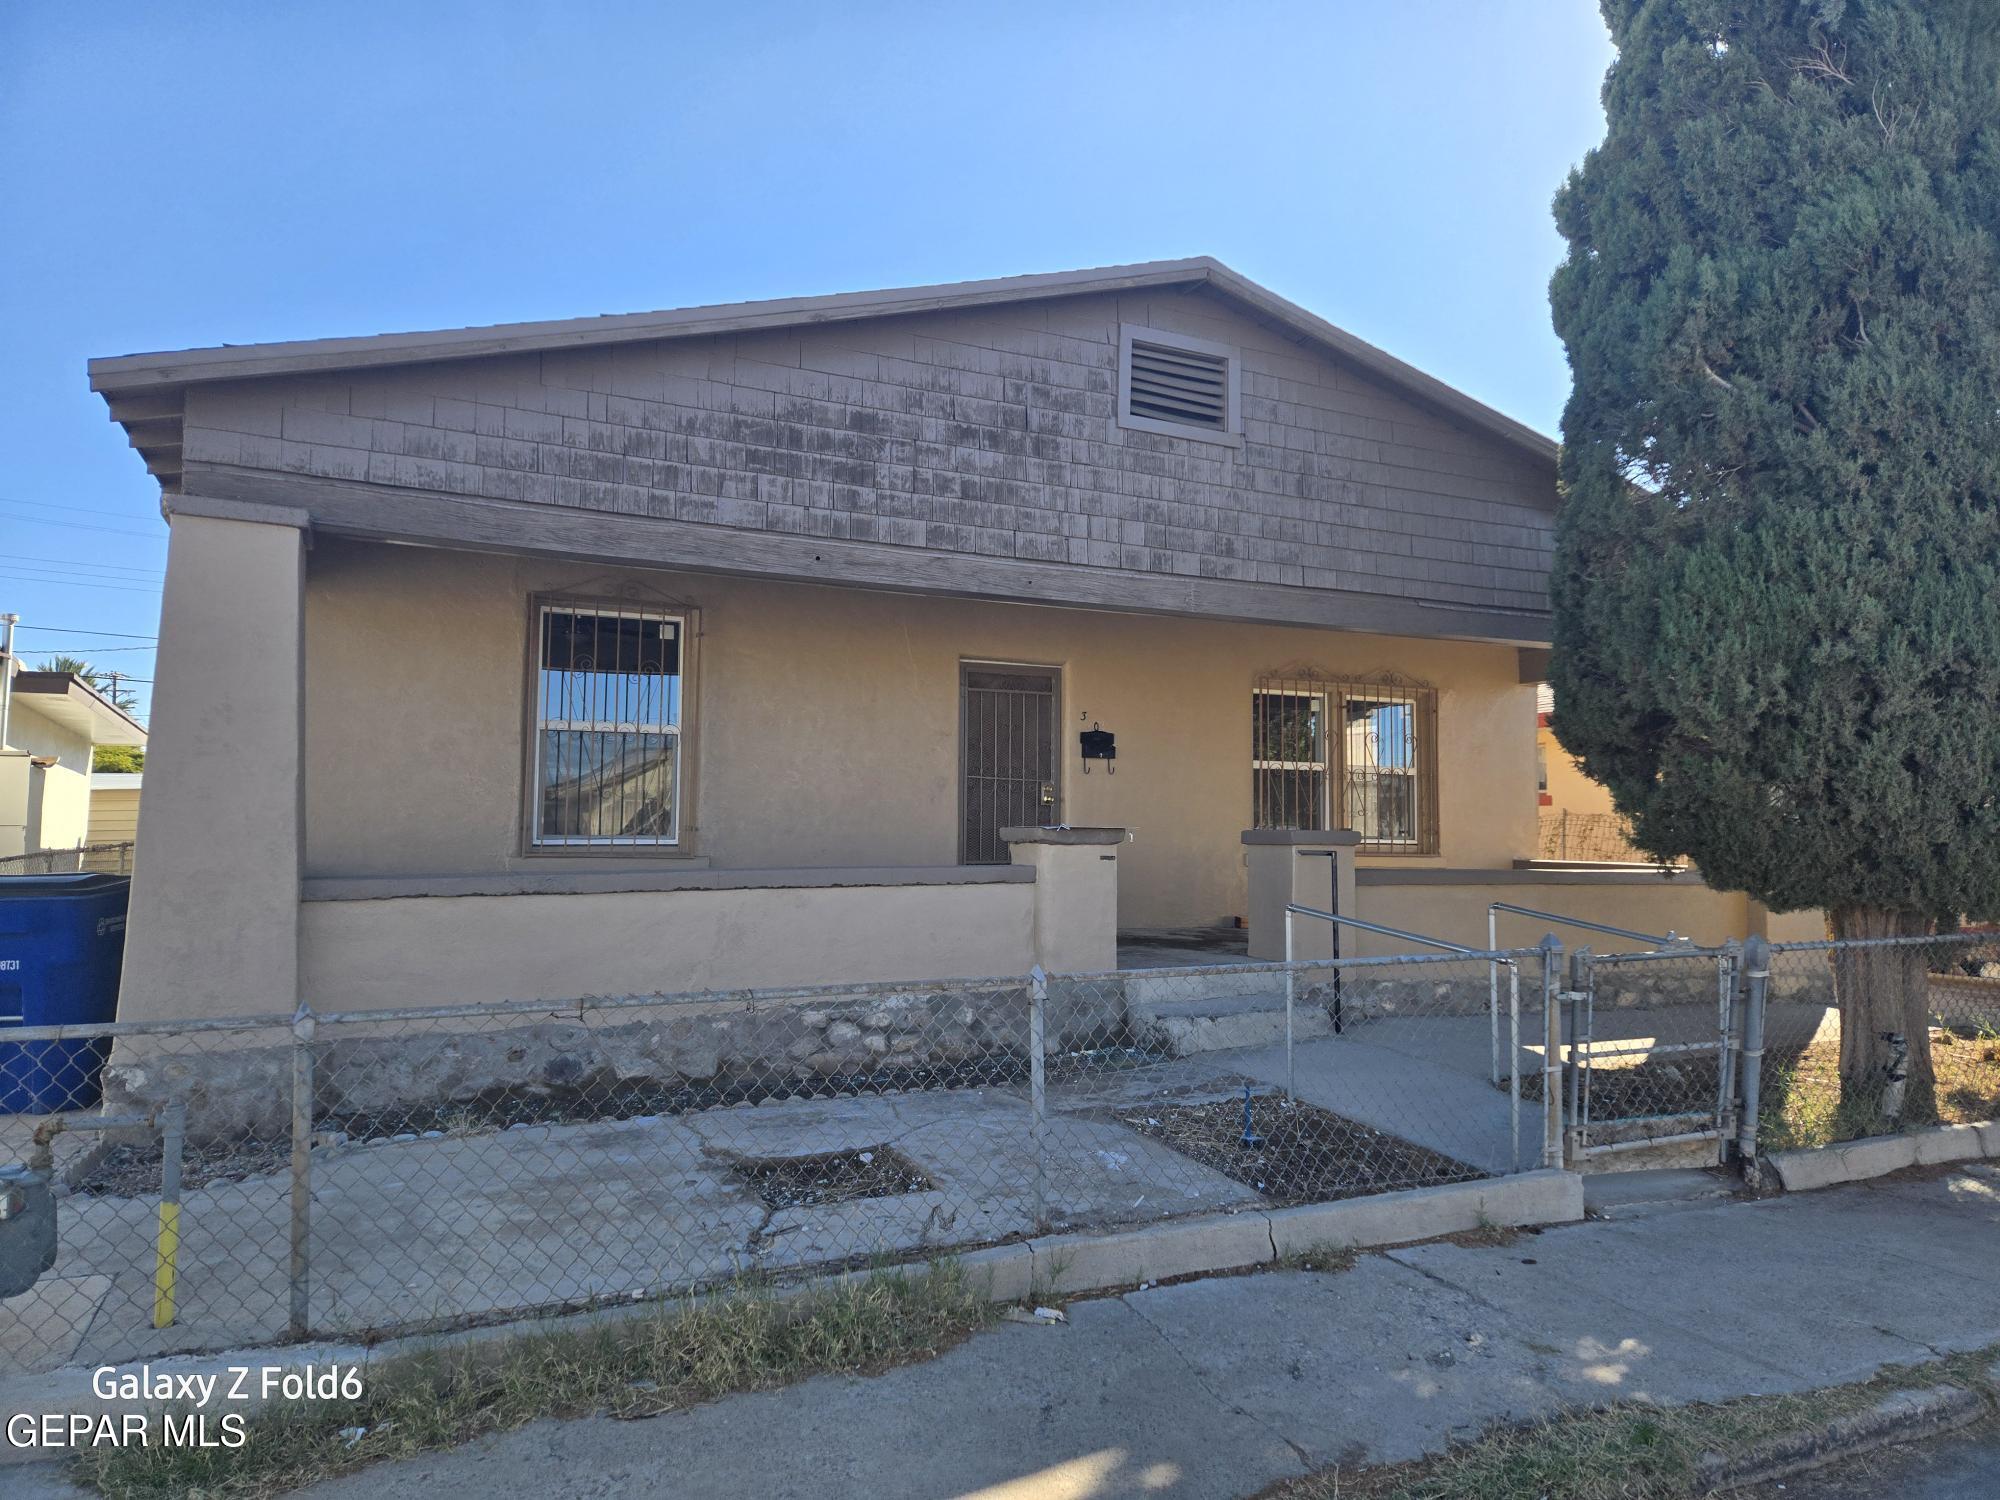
(1300, 867)
(1076, 895)
(214, 922)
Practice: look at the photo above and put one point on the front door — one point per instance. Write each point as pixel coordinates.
(1007, 755)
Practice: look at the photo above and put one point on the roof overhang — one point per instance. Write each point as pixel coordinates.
(144, 391)
(66, 699)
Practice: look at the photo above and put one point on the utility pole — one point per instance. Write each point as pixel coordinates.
(6, 672)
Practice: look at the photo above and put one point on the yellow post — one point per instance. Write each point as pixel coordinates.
(167, 1249)
(165, 1264)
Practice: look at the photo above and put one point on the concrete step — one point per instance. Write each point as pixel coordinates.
(1640, 1194)
(1220, 1022)
(1146, 987)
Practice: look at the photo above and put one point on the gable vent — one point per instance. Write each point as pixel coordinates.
(1179, 385)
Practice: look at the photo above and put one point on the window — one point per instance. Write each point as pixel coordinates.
(607, 749)
(1361, 753)
(1176, 385)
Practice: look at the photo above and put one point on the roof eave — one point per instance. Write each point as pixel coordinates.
(109, 724)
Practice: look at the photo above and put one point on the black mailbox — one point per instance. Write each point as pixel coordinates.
(1098, 744)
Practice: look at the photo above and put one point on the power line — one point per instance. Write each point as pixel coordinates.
(80, 526)
(41, 570)
(77, 562)
(59, 650)
(122, 635)
(84, 510)
(77, 583)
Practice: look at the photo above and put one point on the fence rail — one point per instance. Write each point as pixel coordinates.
(107, 859)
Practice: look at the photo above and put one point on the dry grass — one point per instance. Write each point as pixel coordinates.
(1623, 1452)
(1802, 1104)
(670, 1358)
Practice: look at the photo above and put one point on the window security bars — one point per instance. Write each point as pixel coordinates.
(607, 726)
(1363, 753)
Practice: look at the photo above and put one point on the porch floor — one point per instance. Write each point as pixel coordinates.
(1181, 947)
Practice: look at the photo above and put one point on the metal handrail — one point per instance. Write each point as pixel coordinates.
(1376, 927)
(1493, 910)
(1495, 907)
(1456, 950)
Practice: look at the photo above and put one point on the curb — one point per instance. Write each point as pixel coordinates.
(1857, 1161)
(1071, 1264)
(1899, 1418)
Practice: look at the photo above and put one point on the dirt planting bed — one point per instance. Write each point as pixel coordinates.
(832, 1177)
(1305, 1155)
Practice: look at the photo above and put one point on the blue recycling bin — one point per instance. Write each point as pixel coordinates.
(62, 939)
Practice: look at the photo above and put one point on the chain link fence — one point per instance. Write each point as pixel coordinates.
(364, 1174)
(105, 859)
(1930, 1054)
(1588, 838)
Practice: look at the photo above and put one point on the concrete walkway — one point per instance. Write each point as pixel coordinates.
(1217, 1388)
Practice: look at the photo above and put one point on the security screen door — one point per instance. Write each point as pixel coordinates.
(1007, 755)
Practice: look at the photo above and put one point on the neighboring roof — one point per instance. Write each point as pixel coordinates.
(66, 699)
(143, 390)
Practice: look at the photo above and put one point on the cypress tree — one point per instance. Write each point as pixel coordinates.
(1777, 578)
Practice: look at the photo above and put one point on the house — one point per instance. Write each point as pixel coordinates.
(49, 722)
(1579, 824)
(888, 635)
(114, 820)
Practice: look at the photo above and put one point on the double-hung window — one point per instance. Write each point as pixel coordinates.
(1359, 755)
(608, 705)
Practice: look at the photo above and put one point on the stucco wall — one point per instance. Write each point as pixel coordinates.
(825, 724)
(1569, 789)
(1649, 903)
(215, 892)
(365, 955)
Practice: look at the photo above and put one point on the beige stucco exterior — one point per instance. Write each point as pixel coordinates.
(1569, 789)
(345, 816)
(1658, 904)
(214, 930)
(824, 728)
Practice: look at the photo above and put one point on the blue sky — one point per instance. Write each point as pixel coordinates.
(229, 173)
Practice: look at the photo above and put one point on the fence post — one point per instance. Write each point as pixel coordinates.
(1493, 990)
(1514, 1059)
(1756, 983)
(303, 1026)
(1579, 985)
(1291, 988)
(1728, 984)
(1038, 1085)
(167, 1243)
(1552, 1120)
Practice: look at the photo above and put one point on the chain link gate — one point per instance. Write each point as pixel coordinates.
(1653, 1043)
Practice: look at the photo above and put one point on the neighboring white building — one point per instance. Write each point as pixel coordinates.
(49, 723)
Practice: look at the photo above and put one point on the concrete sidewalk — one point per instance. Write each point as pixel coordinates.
(1216, 1388)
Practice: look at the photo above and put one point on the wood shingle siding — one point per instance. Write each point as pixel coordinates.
(986, 433)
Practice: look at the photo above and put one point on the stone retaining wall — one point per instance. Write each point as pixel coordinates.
(709, 1050)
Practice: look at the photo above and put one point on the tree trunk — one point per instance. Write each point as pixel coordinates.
(1882, 991)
